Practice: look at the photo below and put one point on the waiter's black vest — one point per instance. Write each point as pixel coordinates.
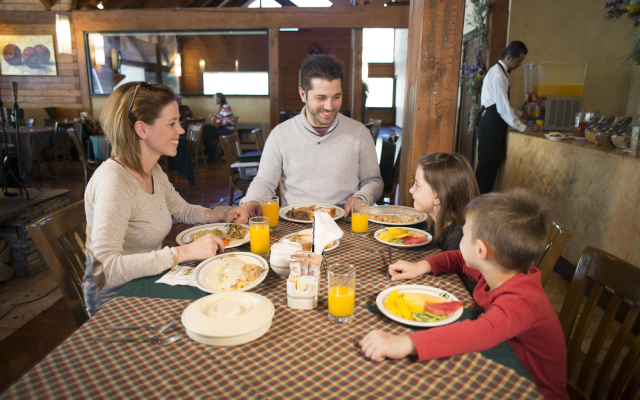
(492, 131)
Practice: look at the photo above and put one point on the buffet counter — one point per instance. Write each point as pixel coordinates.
(592, 190)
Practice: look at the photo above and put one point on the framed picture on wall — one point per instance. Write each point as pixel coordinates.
(27, 55)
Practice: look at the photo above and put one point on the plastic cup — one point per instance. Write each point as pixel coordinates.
(341, 279)
(259, 235)
(359, 218)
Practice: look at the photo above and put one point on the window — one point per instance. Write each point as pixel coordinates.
(236, 83)
(380, 92)
(377, 45)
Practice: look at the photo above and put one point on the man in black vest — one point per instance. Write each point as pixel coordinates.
(497, 115)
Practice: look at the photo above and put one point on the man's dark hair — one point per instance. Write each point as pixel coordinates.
(514, 49)
(323, 66)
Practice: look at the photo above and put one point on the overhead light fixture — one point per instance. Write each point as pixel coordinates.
(100, 5)
(63, 33)
(177, 64)
(98, 47)
(202, 66)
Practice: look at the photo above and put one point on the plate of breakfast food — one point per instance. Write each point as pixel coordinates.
(305, 238)
(233, 235)
(557, 136)
(403, 237)
(396, 215)
(303, 213)
(230, 272)
(419, 305)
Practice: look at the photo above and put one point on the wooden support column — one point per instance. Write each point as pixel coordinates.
(497, 31)
(433, 72)
(356, 74)
(274, 78)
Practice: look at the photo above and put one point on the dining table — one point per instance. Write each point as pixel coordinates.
(301, 356)
(32, 141)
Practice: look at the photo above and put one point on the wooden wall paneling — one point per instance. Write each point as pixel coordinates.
(274, 77)
(357, 107)
(381, 70)
(497, 31)
(433, 71)
(82, 68)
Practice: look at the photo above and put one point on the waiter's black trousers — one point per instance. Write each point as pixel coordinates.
(486, 173)
(491, 132)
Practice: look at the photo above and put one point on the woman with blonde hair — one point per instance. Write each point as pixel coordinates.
(129, 201)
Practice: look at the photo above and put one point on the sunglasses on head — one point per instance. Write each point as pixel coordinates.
(144, 85)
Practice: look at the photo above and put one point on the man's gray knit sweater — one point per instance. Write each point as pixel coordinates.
(318, 169)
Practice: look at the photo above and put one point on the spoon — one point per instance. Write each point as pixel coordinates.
(156, 340)
(157, 329)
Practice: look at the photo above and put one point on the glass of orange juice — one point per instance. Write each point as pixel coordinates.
(270, 209)
(259, 235)
(342, 293)
(359, 218)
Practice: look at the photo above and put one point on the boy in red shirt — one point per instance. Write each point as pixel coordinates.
(503, 235)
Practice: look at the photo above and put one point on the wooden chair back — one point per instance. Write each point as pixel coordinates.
(60, 238)
(193, 121)
(556, 240)
(257, 137)
(87, 165)
(231, 148)
(391, 194)
(62, 140)
(51, 123)
(596, 270)
(194, 138)
(375, 129)
(235, 125)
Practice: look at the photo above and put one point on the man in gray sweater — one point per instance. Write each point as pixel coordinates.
(321, 155)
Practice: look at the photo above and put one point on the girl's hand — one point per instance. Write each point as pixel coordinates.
(201, 249)
(378, 345)
(236, 216)
(401, 270)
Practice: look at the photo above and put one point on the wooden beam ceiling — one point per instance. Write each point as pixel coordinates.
(232, 3)
(46, 4)
(73, 5)
(154, 4)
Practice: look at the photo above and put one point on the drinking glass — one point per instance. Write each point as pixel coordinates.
(259, 235)
(341, 279)
(359, 218)
(270, 209)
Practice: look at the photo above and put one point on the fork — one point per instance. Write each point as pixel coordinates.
(156, 329)
(157, 340)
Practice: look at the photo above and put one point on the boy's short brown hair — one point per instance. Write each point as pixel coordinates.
(514, 224)
(323, 66)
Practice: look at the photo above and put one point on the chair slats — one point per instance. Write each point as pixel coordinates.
(581, 328)
(546, 261)
(625, 371)
(194, 138)
(231, 148)
(257, 137)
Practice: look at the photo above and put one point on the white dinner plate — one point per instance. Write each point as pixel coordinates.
(289, 236)
(397, 210)
(183, 236)
(377, 233)
(203, 269)
(418, 289)
(558, 138)
(579, 138)
(283, 211)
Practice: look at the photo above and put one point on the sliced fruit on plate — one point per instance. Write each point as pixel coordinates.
(445, 308)
(387, 237)
(396, 232)
(414, 240)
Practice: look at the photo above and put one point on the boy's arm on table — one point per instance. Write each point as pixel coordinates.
(508, 315)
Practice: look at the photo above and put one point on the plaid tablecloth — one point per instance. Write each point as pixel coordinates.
(301, 356)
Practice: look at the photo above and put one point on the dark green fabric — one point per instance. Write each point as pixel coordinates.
(182, 161)
(502, 353)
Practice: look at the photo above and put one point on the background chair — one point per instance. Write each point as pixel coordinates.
(219, 144)
(89, 166)
(375, 128)
(231, 148)
(61, 150)
(60, 238)
(257, 137)
(194, 138)
(189, 122)
(395, 181)
(51, 123)
(597, 269)
(557, 239)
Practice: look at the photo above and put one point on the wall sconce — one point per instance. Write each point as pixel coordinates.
(177, 64)
(98, 46)
(63, 34)
(202, 66)
(101, 6)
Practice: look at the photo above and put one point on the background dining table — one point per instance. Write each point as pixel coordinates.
(301, 356)
(32, 141)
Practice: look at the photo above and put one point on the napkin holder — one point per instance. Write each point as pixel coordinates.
(306, 300)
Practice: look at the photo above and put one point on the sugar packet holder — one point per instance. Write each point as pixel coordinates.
(303, 281)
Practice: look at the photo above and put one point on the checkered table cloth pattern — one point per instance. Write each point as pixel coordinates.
(302, 356)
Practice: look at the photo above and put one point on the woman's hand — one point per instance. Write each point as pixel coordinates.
(236, 216)
(378, 345)
(201, 249)
(401, 270)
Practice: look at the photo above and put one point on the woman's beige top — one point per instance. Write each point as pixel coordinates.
(125, 229)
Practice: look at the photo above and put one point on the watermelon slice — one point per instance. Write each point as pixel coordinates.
(442, 308)
(413, 240)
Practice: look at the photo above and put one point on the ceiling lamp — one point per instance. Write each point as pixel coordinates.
(100, 5)
(63, 33)
(177, 63)
(202, 66)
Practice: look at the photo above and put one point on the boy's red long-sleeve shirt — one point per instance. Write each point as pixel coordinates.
(518, 311)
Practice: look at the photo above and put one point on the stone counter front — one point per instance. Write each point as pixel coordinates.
(592, 190)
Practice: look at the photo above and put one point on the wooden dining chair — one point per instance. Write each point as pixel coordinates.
(60, 238)
(189, 122)
(257, 137)
(61, 150)
(51, 123)
(598, 275)
(391, 193)
(194, 139)
(219, 145)
(89, 166)
(375, 129)
(556, 240)
(231, 148)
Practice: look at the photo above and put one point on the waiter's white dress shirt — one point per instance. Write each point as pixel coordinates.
(494, 91)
